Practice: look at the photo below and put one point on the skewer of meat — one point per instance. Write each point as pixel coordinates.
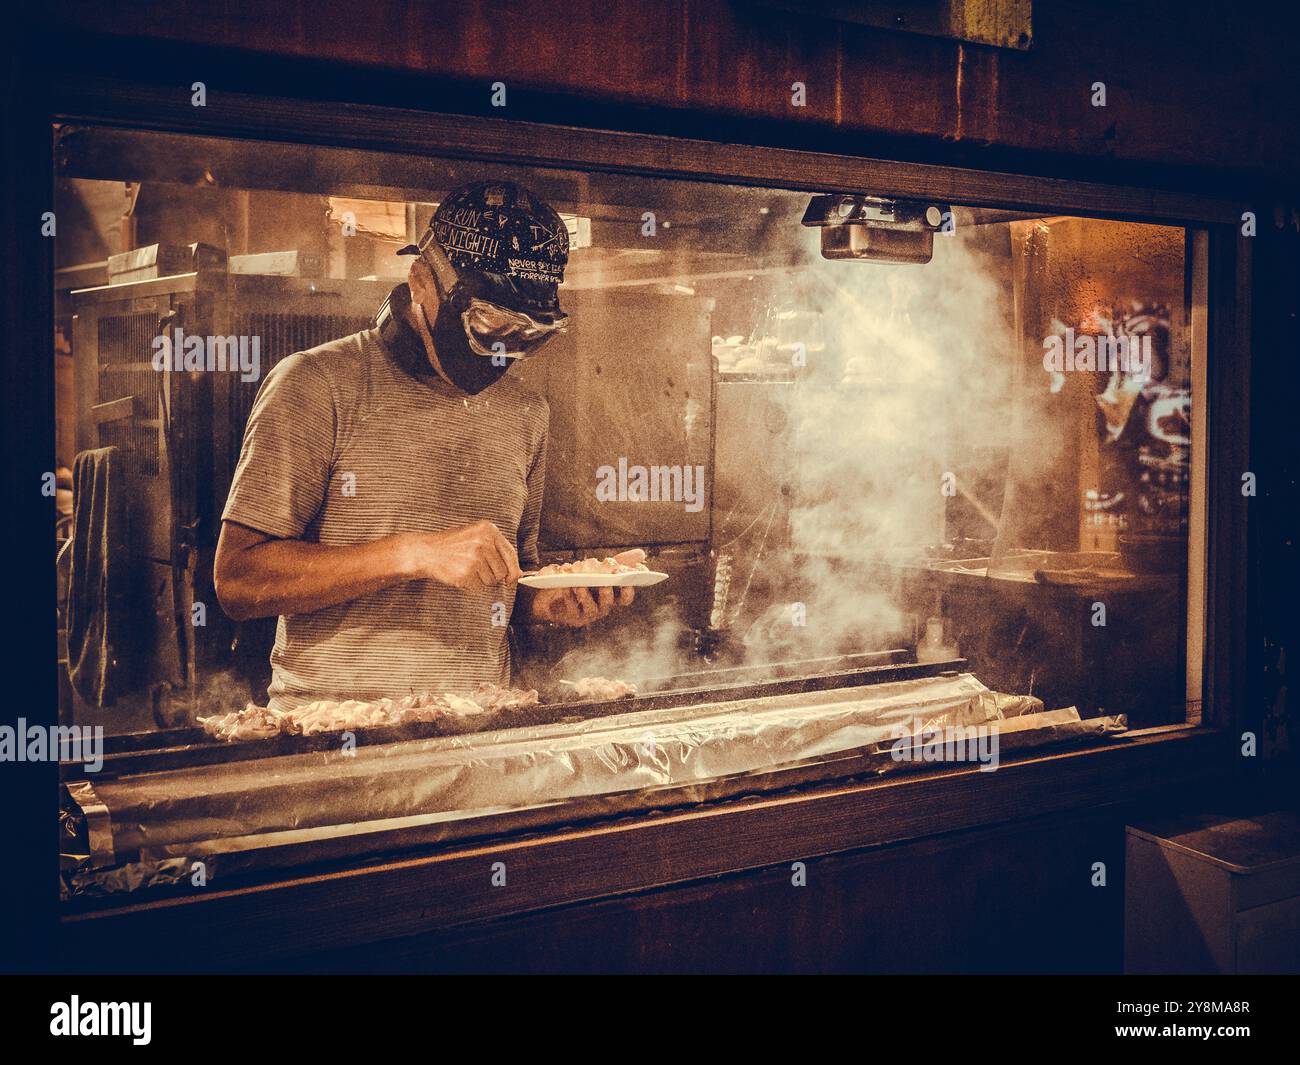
(327, 715)
(632, 561)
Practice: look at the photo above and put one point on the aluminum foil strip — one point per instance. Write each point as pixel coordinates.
(99, 824)
(525, 767)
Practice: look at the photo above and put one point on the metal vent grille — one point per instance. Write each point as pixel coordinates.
(126, 369)
(281, 336)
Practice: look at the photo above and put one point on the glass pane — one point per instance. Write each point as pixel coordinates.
(909, 469)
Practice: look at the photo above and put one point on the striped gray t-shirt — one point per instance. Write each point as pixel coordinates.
(344, 447)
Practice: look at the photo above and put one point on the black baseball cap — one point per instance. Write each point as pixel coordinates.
(501, 231)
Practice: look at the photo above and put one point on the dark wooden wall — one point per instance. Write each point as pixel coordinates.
(1003, 900)
(1197, 84)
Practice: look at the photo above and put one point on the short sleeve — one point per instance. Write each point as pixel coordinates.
(288, 453)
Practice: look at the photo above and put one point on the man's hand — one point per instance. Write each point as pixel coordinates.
(579, 607)
(473, 557)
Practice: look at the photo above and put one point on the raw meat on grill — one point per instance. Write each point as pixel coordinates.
(251, 723)
(462, 706)
(602, 689)
(328, 715)
(491, 697)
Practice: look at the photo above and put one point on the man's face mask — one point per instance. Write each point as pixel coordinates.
(477, 339)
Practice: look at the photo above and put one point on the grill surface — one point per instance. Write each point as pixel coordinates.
(181, 747)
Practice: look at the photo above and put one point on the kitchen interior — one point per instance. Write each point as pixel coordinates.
(906, 523)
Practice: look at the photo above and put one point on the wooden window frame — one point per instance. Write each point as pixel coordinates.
(570, 864)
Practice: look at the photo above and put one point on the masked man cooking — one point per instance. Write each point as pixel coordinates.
(390, 483)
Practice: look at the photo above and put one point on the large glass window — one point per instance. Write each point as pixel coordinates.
(918, 474)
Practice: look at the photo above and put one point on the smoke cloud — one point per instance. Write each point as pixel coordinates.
(898, 418)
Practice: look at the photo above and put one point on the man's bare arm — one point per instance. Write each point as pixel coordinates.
(257, 575)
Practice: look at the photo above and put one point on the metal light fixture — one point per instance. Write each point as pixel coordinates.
(874, 228)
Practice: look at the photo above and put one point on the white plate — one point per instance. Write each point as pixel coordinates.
(637, 579)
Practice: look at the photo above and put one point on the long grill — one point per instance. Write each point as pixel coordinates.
(191, 746)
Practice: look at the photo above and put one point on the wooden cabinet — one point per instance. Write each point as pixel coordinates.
(1213, 893)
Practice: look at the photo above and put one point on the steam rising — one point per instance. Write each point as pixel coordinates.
(906, 389)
